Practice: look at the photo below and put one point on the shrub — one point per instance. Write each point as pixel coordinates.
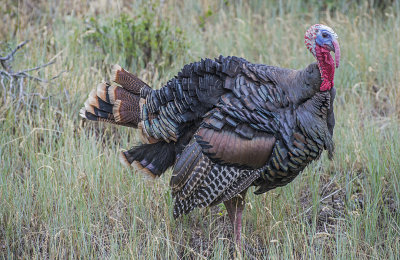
(138, 39)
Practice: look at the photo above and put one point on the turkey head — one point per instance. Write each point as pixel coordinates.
(320, 41)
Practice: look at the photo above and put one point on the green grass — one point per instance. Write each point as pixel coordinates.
(64, 194)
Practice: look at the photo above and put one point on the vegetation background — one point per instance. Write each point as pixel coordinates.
(64, 194)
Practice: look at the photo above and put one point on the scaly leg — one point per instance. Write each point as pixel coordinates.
(235, 208)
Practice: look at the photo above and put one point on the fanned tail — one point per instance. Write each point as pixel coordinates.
(122, 105)
(114, 104)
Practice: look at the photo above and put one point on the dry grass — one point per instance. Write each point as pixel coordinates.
(63, 193)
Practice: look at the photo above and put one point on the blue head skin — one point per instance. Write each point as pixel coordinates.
(326, 39)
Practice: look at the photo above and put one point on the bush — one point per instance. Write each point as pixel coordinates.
(139, 39)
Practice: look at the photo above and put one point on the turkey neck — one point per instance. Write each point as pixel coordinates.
(326, 66)
(312, 117)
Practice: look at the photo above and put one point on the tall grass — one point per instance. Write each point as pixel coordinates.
(64, 194)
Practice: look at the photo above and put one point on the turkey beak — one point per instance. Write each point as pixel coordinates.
(336, 50)
(334, 46)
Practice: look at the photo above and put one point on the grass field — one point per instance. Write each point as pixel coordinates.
(64, 194)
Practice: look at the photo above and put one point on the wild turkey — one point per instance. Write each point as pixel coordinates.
(226, 124)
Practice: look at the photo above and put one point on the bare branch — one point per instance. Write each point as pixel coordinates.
(12, 53)
(59, 74)
(4, 88)
(26, 75)
(15, 79)
(5, 73)
(38, 67)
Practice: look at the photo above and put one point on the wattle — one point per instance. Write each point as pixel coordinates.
(326, 66)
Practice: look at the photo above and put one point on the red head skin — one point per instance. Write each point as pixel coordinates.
(326, 66)
(321, 52)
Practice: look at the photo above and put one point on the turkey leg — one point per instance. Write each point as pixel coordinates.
(235, 208)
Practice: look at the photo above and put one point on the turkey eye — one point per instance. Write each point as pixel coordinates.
(325, 35)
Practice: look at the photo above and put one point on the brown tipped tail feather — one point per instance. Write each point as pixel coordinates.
(122, 105)
(114, 104)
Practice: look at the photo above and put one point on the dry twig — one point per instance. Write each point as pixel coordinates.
(15, 79)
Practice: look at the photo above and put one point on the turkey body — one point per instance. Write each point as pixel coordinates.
(223, 125)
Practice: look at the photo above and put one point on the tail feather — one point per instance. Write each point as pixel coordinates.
(89, 108)
(150, 159)
(97, 102)
(102, 92)
(92, 111)
(126, 111)
(122, 105)
(128, 81)
(112, 104)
